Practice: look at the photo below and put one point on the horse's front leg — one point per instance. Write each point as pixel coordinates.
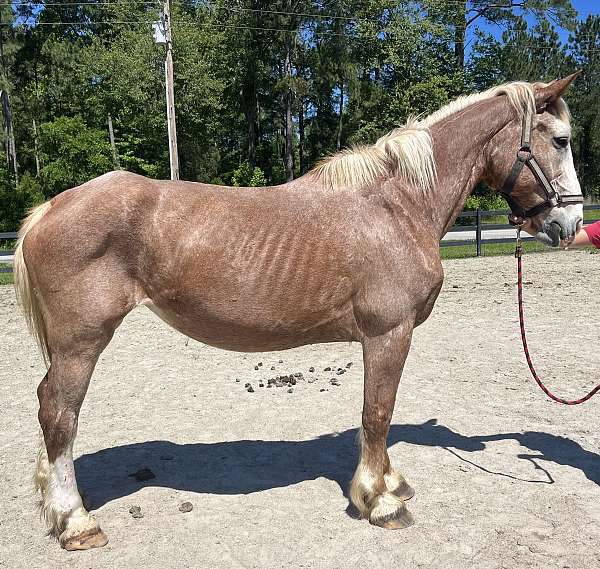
(377, 491)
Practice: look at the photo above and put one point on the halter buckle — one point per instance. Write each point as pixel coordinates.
(516, 221)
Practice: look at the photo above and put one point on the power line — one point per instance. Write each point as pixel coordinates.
(77, 4)
(448, 36)
(17, 2)
(90, 3)
(100, 3)
(229, 8)
(388, 30)
(302, 14)
(81, 23)
(149, 22)
(255, 28)
(280, 30)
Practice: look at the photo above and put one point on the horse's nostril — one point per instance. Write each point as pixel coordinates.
(557, 232)
(579, 225)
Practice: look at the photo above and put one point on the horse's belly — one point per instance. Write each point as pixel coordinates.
(247, 330)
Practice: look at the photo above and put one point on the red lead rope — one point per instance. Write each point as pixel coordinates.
(518, 254)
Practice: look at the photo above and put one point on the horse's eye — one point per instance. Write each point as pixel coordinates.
(561, 141)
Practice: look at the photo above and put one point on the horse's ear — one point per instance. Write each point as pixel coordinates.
(546, 95)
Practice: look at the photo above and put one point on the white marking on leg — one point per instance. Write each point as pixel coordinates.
(62, 483)
(61, 505)
(386, 505)
(393, 480)
(363, 482)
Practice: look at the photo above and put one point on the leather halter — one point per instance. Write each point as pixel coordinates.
(525, 158)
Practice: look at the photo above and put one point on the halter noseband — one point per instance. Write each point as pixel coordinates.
(525, 158)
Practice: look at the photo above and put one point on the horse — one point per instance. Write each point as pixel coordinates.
(207, 262)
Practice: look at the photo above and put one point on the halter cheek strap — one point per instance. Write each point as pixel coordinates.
(525, 157)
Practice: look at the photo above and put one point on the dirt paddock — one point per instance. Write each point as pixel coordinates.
(503, 477)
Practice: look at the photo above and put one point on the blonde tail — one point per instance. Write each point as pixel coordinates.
(25, 294)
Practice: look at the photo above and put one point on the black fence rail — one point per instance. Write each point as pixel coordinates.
(478, 227)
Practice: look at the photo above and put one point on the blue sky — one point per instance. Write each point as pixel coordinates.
(584, 9)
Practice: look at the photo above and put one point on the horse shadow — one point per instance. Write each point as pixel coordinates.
(247, 466)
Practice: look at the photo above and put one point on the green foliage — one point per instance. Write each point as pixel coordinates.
(583, 100)
(30, 190)
(247, 176)
(130, 152)
(71, 153)
(489, 201)
(14, 202)
(485, 199)
(428, 95)
(258, 178)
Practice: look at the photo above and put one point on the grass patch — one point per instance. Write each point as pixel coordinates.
(495, 220)
(489, 250)
(5, 278)
(6, 245)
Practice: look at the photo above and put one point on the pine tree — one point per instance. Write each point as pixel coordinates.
(585, 48)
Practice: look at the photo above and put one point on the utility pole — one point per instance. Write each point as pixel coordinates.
(111, 134)
(174, 158)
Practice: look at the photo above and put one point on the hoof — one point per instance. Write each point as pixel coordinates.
(390, 512)
(404, 491)
(397, 485)
(402, 522)
(85, 540)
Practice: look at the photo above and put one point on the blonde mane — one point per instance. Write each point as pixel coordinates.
(407, 151)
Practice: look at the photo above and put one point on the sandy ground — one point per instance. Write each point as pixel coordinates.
(504, 478)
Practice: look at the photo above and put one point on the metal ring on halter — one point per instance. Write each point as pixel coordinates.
(524, 154)
(515, 220)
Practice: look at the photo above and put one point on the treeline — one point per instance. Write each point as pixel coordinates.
(263, 89)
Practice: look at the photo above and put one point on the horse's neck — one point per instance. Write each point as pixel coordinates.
(458, 143)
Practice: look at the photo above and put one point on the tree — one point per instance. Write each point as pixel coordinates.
(73, 153)
(465, 14)
(267, 87)
(7, 48)
(585, 48)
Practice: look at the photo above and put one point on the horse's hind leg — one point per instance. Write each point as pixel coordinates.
(61, 394)
(377, 491)
(74, 351)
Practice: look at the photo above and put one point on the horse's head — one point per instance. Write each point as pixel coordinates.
(530, 162)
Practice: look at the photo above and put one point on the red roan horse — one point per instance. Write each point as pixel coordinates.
(202, 258)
